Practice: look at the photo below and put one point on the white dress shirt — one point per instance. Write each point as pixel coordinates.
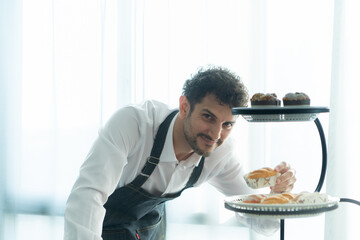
(120, 152)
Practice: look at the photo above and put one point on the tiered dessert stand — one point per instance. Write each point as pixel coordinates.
(287, 114)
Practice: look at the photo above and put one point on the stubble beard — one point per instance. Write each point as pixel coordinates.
(192, 140)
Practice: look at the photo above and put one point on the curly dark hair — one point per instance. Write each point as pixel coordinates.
(225, 85)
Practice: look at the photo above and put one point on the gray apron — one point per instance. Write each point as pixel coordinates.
(132, 212)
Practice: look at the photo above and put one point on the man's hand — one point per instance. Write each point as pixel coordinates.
(285, 182)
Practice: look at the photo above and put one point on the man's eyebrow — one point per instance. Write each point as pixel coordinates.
(210, 113)
(214, 116)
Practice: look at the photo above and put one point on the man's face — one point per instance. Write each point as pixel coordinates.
(208, 125)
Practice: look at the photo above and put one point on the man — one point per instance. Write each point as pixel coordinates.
(148, 154)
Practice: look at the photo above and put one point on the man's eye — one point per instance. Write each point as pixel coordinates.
(228, 125)
(207, 116)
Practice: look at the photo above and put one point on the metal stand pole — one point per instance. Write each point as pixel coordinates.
(323, 171)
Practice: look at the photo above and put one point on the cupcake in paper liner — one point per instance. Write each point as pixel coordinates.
(264, 177)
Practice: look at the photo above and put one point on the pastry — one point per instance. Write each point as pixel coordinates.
(306, 198)
(262, 99)
(280, 198)
(275, 199)
(287, 198)
(254, 198)
(297, 98)
(262, 173)
(264, 177)
(289, 195)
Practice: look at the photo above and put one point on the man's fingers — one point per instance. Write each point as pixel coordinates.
(282, 167)
(286, 176)
(285, 182)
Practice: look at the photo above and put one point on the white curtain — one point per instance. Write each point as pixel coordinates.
(67, 65)
(344, 126)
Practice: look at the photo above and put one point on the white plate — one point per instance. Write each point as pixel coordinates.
(279, 211)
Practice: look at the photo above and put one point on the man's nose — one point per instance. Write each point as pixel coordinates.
(216, 132)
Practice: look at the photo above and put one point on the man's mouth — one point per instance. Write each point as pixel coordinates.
(208, 140)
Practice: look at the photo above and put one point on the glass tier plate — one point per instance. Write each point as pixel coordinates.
(279, 114)
(279, 211)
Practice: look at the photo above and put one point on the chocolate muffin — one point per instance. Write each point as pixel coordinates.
(296, 99)
(262, 99)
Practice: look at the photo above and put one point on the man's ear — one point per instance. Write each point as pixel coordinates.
(184, 107)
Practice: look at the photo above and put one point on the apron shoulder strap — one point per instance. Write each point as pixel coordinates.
(195, 174)
(161, 135)
(156, 150)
